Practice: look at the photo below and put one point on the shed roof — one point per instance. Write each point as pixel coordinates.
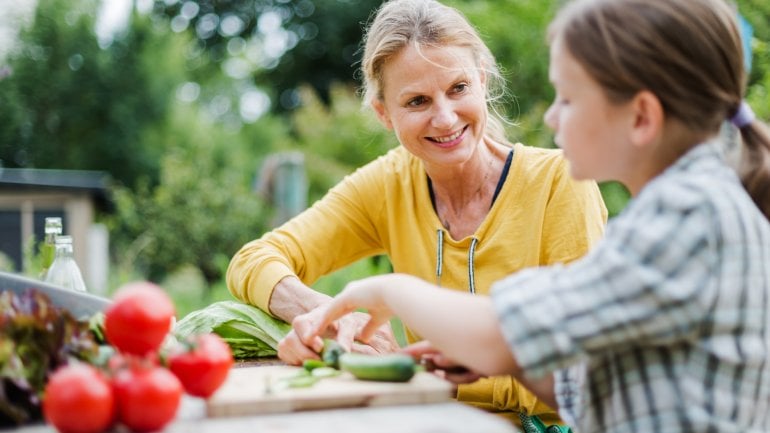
(54, 180)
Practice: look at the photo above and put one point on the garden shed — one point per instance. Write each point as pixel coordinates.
(28, 196)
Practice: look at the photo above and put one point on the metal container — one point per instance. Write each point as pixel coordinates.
(79, 304)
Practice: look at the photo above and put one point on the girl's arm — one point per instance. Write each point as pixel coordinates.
(462, 326)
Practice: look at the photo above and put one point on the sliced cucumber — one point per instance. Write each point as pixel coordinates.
(322, 372)
(312, 364)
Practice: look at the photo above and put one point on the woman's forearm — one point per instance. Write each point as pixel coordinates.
(291, 298)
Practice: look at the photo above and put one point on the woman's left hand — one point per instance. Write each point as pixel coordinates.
(293, 350)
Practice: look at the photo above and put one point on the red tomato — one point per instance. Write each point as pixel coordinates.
(116, 362)
(147, 397)
(78, 399)
(204, 366)
(139, 318)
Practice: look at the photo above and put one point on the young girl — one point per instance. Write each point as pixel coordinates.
(667, 318)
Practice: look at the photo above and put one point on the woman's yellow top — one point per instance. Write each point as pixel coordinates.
(540, 217)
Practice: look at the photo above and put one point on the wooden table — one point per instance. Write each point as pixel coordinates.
(449, 417)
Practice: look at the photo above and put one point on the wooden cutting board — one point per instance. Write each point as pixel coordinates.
(245, 392)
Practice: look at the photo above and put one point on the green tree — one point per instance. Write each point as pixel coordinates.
(70, 104)
(337, 137)
(758, 93)
(203, 208)
(320, 39)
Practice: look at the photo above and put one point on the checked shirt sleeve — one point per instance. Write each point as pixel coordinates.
(644, 281)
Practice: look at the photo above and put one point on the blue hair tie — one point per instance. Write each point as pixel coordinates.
(743, 117)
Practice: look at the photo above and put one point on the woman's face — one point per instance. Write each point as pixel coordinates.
(434, 100)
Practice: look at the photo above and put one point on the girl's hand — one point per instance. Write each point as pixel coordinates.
(435, 362)
(367, 293)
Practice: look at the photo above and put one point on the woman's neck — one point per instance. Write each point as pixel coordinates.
(463, 197)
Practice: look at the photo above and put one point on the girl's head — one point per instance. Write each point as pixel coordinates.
(687, 53)
(421, 24)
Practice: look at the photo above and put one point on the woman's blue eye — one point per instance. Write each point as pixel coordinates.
(459, 88)
(414, 102)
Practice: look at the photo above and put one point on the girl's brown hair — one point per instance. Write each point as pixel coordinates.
(687, 52)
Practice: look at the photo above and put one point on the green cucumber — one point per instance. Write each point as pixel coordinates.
(331, 352)
(394, 367)
(312, 364)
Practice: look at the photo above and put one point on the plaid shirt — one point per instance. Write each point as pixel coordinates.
(668, 317)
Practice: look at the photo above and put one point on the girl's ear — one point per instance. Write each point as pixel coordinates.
(382, 113)
(648, 120)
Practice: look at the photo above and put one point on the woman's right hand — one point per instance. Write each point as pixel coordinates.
(292, 350)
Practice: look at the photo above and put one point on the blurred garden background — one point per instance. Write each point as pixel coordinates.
(182, 102)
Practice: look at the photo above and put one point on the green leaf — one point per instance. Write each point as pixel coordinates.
(36, 337)
(249, 331)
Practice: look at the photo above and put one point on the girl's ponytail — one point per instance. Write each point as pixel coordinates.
(755, 160)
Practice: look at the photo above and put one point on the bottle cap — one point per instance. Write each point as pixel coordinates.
(53, 225)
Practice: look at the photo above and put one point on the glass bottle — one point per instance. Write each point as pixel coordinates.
(64, 272)
(53, 229)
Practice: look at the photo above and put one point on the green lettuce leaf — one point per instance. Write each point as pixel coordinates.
(249, 331)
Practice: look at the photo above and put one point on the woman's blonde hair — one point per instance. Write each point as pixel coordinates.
(421, 23)
(687, 52)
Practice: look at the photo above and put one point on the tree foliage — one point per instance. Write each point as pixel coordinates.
(186, 161)
(203, 209)
(337, 137)
(70, 104)
(757, 13)
(294, 42)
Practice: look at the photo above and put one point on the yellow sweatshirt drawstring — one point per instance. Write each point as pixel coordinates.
(439, 256)
(471, 277)
(440, 260)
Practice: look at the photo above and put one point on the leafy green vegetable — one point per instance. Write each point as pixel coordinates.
(96, 324)
(36, 337)
(249, 331)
